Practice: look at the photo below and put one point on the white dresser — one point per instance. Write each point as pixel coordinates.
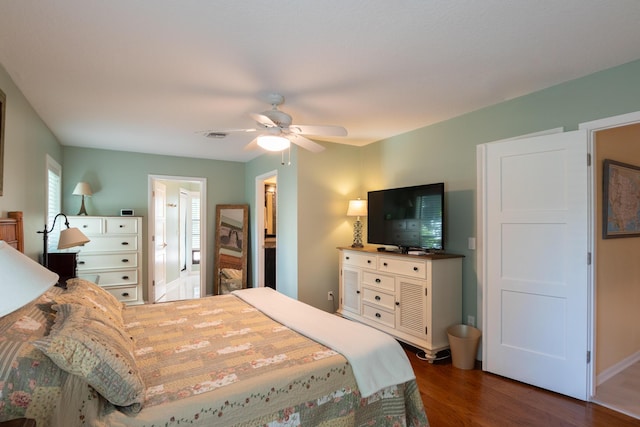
(113, 257)
(413, 298)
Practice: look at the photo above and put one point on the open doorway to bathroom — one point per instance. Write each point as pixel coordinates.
(267, 229)
(177, 259)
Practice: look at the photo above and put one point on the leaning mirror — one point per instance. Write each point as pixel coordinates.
(231, 247)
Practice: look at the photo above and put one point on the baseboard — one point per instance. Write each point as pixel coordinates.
(617, 368)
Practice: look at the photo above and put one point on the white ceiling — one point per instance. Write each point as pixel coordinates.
(146, 75)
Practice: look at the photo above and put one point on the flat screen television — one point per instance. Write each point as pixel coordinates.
(408, 217)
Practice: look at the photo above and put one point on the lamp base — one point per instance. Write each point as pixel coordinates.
(83, 210)
(357, 234)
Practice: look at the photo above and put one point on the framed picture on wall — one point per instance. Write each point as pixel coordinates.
(3, 102)
(620, 200)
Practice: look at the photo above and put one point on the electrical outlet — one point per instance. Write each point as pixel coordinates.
(330, 296)
(471, 321)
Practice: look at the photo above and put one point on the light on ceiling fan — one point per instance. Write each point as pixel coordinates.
(273, 142)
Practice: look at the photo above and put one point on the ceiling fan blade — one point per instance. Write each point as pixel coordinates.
(318, 130)
(220, 134)
(252, 145)
(305, 143)
(263, 120)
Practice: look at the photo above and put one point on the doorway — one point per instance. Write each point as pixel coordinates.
(616, 367)
(177, 259)
(266, 229)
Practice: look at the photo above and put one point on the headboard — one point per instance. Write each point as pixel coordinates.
(11, 230)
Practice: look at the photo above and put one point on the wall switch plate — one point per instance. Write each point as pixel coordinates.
(472, 243)
(330, 296)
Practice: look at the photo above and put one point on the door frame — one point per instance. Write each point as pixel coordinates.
(259, 265)
(592, 127)
(150, 230)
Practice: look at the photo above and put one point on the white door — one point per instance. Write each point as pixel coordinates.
(160, 239)
(535, 275)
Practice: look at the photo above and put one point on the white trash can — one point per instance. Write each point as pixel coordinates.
(463, 342)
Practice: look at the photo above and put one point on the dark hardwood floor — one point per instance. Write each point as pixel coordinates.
(457, 397)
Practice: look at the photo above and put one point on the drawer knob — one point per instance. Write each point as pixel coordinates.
(377, 297)
(125, 277)
(85, 226)
(368, 261)
(125, 260)
(385, 264)
(378, 280)
(397, 302)
(125, 294)
(357, 292)
(125, 243)
(347, 257)
(121, 226)
(81, 262)
(378, 315)
(415, 268)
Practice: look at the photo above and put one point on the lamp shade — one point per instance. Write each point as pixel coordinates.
(23, 279)
(71, 237)
(82, 189)
(357, 208)
(273, 142)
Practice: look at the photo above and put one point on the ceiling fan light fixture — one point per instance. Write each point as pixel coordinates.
(273, 142)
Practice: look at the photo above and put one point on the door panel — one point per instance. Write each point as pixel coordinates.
(536, 279)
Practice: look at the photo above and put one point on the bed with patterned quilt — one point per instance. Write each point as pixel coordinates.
(78, 357)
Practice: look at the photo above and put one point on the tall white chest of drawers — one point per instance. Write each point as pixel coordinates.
(113, 257)
(413, 298)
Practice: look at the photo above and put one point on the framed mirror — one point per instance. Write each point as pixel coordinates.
(231, 248)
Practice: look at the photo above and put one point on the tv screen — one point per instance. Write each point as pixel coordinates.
(408, 217)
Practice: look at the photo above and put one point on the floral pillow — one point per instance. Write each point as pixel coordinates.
(28, 378)
(83, 292)
(85, 342)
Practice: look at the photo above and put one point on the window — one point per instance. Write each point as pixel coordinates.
(195, 229)
(54, 197)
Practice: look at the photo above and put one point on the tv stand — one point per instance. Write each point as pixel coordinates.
(413, 298)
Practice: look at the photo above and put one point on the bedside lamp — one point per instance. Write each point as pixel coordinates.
(69, 237)
(23, 279)
(82, 189)
(357, 208)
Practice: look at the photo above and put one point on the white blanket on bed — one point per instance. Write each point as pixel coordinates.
(377, 360)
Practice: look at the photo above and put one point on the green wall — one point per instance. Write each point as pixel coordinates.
(446, 151)
(286, 220)
(313, 191)
(120, 180)
(27, 141)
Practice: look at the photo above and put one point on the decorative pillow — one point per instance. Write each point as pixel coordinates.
(28, 378)
(83, 292)
(84, 342)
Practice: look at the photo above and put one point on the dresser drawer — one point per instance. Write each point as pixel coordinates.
(359, 260)
(118, 225)
(379, 280)
(110, 244)
(379, 298)
(378, 315)
(88, 225)
(100, 262)
(417, 269)
(124, 294)
(109, 278)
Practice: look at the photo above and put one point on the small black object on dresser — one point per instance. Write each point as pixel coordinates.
(64, 264)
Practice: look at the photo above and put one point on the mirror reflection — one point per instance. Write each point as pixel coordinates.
(231, 248)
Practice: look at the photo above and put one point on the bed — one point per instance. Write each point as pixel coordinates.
(79, 357)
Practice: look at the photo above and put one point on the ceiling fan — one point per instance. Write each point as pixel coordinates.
(277, 130)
